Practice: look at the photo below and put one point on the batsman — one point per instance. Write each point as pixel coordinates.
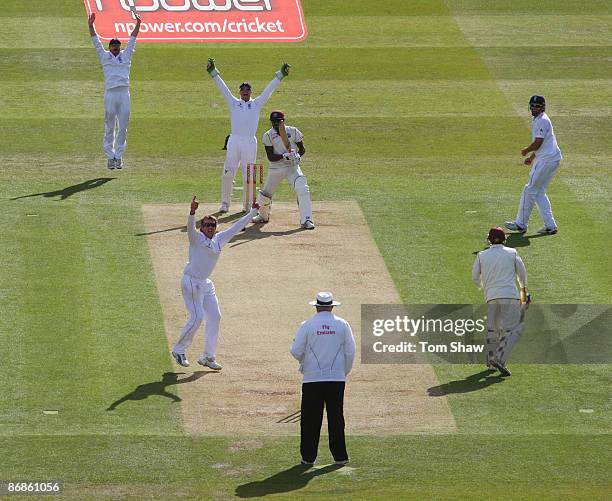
(284, 147)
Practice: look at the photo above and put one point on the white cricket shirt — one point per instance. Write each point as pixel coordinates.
(272, 138)
(116, 69)
(244, 115)
(496, 271)
(325, 347)
(542, 128)
(203, 251)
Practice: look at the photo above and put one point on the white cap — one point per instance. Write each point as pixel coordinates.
(324, 299)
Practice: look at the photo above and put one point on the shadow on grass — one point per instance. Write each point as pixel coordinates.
(64, 193)
(223, 219)
(474, 382)
(143, 391)
(254, 233)
(296, 477)
(515, 240)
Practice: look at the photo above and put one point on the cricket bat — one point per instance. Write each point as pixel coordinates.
(282, 132)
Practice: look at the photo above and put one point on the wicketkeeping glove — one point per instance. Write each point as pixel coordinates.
(211, 68)
(284, 71)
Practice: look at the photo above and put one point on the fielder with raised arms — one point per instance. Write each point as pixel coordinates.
(244, 118)
(116, 65)
(199, 290)
(284, 147)
(547, 155)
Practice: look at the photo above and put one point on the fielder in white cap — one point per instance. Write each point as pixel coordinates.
(325, 347)
(198, 290)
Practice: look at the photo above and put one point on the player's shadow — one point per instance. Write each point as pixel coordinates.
(254, 232)
(183, 229)
(474, 382)
(296, 477)
(143, 391)
(68, 191)
(515, 240)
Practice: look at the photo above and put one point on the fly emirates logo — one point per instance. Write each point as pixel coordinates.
(201, 20)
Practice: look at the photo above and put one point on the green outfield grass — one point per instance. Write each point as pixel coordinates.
(416, 109)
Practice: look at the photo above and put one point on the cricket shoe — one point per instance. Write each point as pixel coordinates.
(342, 462)
(259, 219)
(110, 163)
(119, 163)
(210, 363)
(512, 226)
(180, 359)
(306, 463)
(547, 231)
(224, 209)
(308, 225)
(503, 370)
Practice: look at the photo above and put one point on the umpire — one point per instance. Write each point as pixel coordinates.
(325, 347)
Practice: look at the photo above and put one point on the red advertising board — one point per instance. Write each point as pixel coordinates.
(201, 20)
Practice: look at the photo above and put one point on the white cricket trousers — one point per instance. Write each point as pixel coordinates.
(298, 182)
(505, 324)
(116, 118)
(202, 305)
(241, 150)
(534, 192)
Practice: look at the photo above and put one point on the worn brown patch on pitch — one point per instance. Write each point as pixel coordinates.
(264, 279)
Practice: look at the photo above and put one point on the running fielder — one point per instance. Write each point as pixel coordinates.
(198, 290)
(547, 155)
(496, 271)
(244, 118)
(116, 65)
(284, 148)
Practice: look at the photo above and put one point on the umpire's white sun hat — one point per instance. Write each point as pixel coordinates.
(324, 299)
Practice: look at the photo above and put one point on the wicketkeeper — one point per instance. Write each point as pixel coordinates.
(284, 148)
(244, 118)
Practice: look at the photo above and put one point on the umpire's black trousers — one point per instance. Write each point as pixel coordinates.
(314, 396)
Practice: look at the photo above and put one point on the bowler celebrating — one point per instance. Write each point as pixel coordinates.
(547, 155)
(116, 65)
(244, 118)
(198, 290)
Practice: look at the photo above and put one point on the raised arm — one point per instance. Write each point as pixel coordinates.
(136, 29)
(273, 85)
(216, 76)
(223, 237)
(192, 232)
(94, 37)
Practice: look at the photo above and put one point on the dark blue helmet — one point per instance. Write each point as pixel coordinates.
(536, 100)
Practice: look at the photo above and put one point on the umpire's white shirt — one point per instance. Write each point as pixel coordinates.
(244, 115)
(496, 271)
(325, 348)
(272, 138)
(116, 68)
(542, 128)
(203, 251)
